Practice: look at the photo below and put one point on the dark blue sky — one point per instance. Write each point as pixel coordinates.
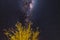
(45, 15)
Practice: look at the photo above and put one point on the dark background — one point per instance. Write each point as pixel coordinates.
(45, 15)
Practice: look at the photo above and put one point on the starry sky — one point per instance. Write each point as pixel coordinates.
(45, 15)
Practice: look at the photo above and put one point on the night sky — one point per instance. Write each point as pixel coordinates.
(45, 15)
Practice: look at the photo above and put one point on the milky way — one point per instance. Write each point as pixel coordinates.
(27, 7)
